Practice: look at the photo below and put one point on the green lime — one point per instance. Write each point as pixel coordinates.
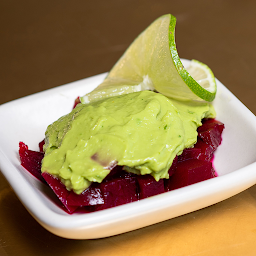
(151, 62)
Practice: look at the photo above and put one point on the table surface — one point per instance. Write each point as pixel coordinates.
(45, 44)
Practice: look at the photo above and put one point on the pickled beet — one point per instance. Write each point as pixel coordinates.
(60, 190)
(116, 172)
(148, 186)
(89, 197)
(41, 146)
(173, 166)
(31, 160)
(189, 172)
(171, 171)
(207, 150)
(190, 153)
(118, 191)
(210, 132)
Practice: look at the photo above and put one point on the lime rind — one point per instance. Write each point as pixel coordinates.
(193, 85)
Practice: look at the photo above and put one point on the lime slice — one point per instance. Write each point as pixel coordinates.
(203, 75)
(152, 63)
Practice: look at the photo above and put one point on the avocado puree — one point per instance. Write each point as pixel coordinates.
(142, 131)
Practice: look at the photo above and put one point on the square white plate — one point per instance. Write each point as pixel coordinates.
(26, 120)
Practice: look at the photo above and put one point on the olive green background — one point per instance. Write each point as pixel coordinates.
(44, 44)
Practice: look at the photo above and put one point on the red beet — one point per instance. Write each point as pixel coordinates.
(210, 132)
(171, 171)
(173, 166)
(190, 153)
(116, 172)
(189, 172)
(89, 197)
(31, 160)
(206, 150)
(208, 124)
(118, 191)
(148, 186)
(209, 138)
(60, 190)
(41, 146)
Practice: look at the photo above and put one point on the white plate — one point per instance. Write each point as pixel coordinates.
(26, 120)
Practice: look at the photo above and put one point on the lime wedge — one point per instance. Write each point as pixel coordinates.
(152, 63)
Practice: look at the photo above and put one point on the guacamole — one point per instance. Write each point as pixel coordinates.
(142, 131)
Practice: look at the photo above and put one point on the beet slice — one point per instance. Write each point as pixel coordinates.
(206, 150)
(41, 146)
(118, 191)
(31, 160)
(148, 186)
(72, 201)
(189, 172)
(173, 166)
(116, 172)
(209, 123)
(171, 172)
(89, 197)
(210, 132)
(60, 190)
(209, 138)
(190, 153)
